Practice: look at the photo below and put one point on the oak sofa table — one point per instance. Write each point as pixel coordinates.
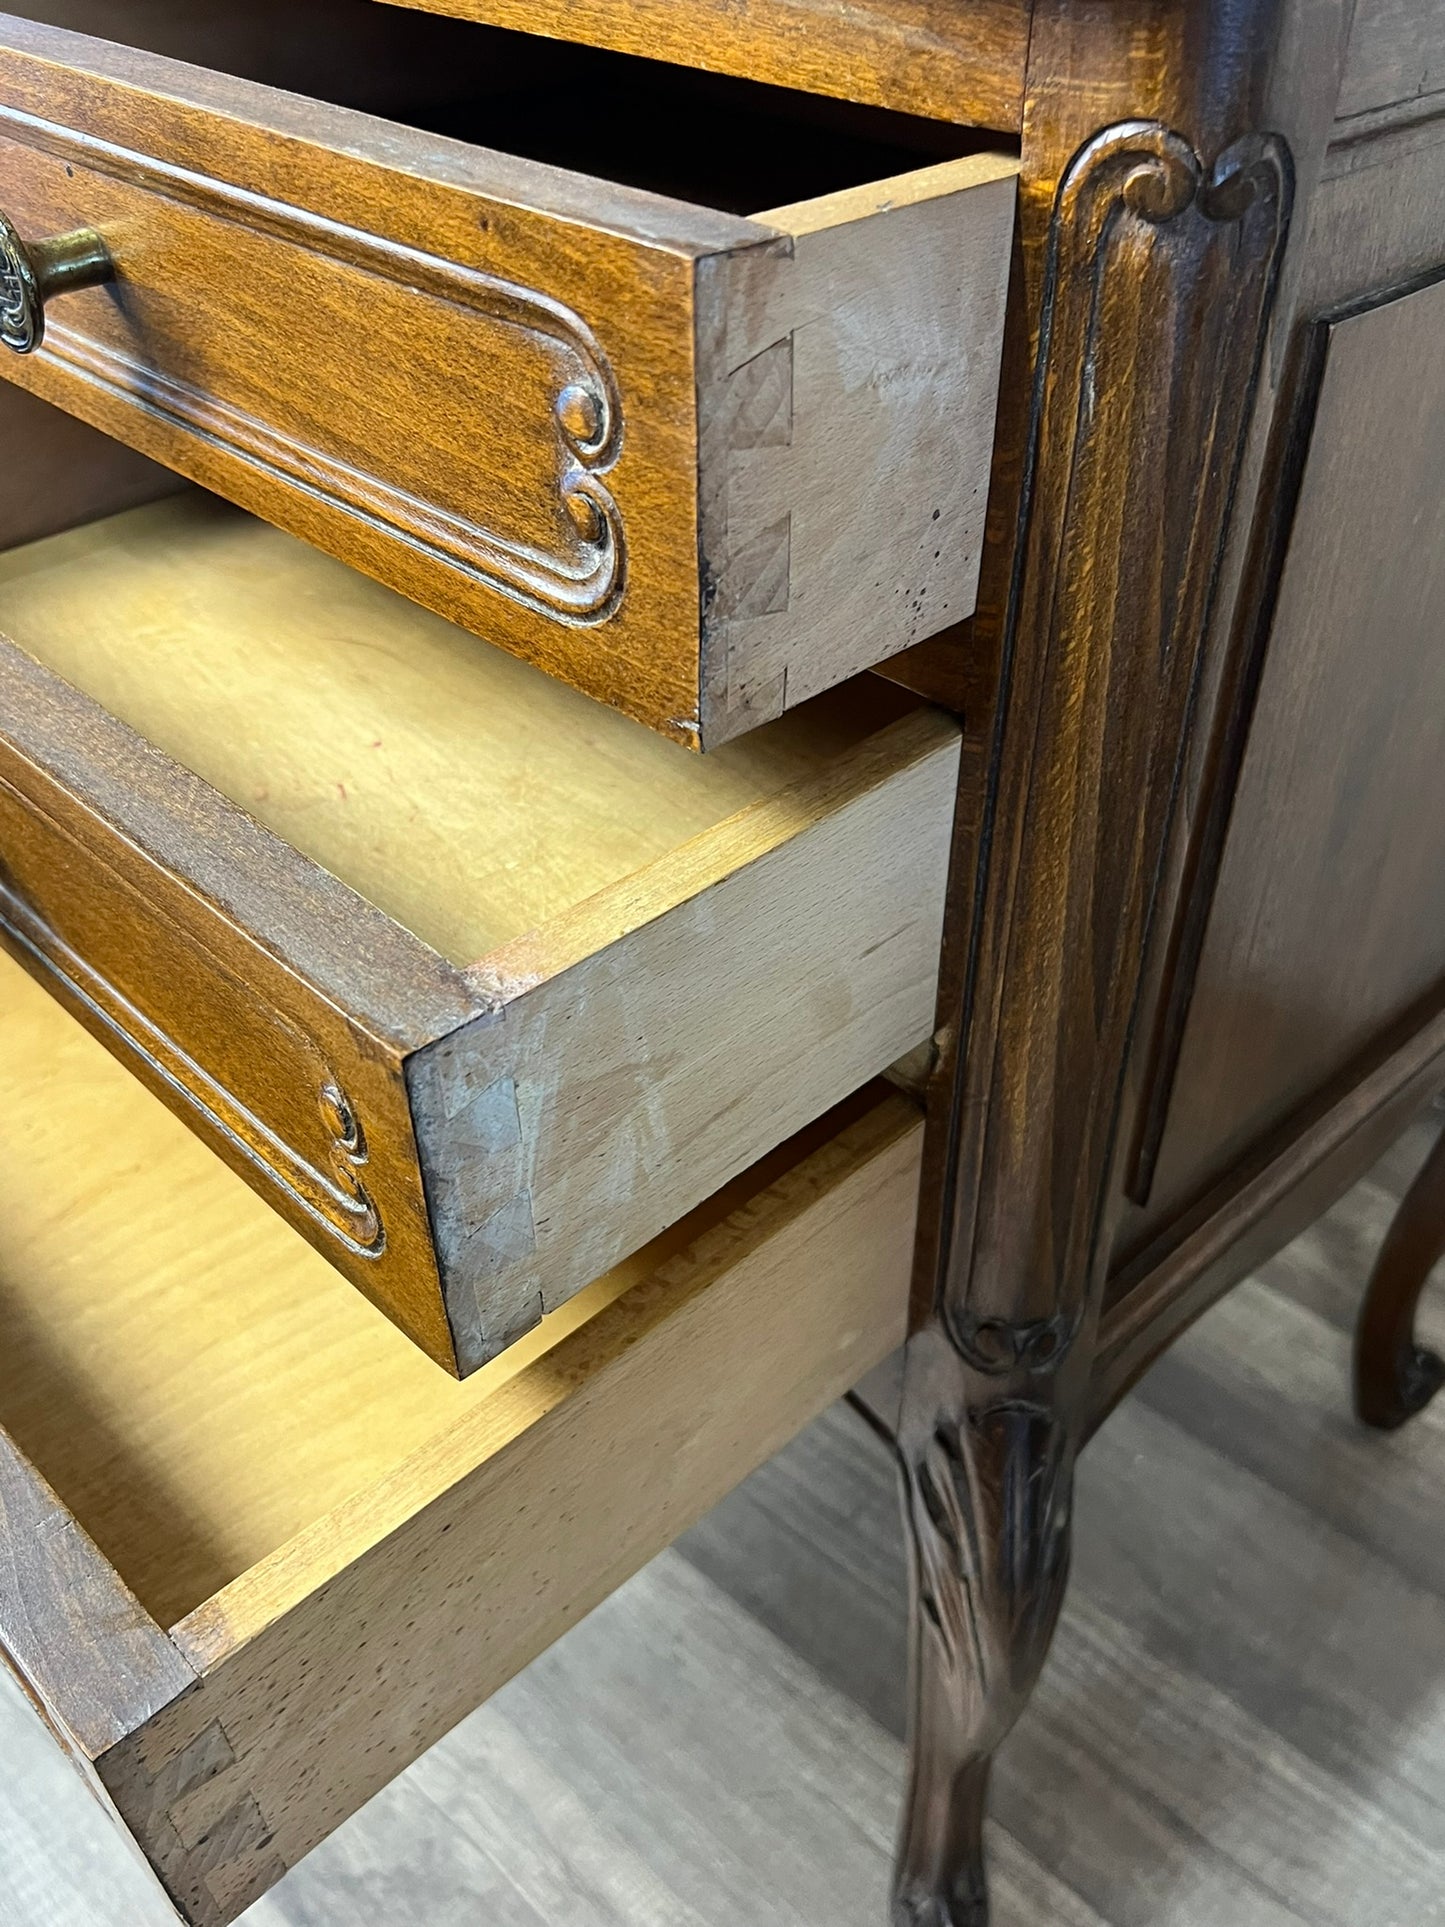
(552, 1036)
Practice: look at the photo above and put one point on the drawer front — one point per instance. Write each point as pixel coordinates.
(113, 903)
(229, 1729)
(116, 949)
(396, 368)
(571, 417)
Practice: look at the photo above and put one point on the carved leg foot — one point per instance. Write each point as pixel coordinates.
(988, 1456)
(942, 1880)
(1394, 1376)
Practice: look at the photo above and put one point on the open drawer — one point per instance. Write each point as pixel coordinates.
(256, 1554)
(479, 984)
(700, 466)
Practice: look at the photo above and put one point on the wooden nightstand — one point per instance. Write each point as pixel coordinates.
(1077, 376)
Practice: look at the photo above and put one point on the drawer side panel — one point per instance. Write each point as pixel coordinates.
(676, 1029)
(87, 1656)
(850, 382)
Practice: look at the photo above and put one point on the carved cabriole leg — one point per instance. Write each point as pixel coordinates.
(1394, 1377)
(1167, 149)
(988, 1494)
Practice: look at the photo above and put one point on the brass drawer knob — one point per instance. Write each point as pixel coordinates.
(33, 272)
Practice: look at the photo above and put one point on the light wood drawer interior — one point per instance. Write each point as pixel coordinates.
(581, 397)
(479, 984)
(278, 1553)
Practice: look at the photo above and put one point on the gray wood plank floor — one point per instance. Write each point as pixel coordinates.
(1243, 1724)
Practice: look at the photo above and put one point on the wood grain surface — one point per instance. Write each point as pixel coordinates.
(845, 409)
(518, 392)
(309, 1505)
(725, 948)
(469, 797)
(1234, 1744)
(1327, 924)
(71, 1632)
(961, 63)
(1397, 55)
(1167, 157)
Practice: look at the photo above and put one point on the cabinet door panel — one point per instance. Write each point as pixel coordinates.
(1397, 53)
(1328, 921)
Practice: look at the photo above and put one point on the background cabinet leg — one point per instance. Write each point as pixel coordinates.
(1394, 1376)
(988, 1462)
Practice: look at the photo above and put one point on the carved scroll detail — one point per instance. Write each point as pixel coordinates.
(998, 1346)
(1159, 281)
(586, 409)
(335, 1199)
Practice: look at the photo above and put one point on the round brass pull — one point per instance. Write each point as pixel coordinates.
(34, 272)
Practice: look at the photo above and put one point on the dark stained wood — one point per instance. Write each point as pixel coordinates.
(95, 1664)
(1273, 1194)
(1376, 214)
(1306, 752)
(1327, 922)
(61, 473)
(1166, 160)
(957, 60)
(1395, 1376)
(1195, 941)
(1212, 782)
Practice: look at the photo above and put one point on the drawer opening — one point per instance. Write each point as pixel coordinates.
(711, 139)
(195, 1382)
(463, 792)
(267, 1554)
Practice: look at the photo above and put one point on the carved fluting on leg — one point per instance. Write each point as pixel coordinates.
(988, 1466)
(1395, 1377)
(1160, 274)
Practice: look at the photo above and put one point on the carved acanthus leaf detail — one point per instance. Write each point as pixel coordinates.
(1158, 286)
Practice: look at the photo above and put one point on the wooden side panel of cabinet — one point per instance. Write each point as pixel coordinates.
(1397, 54)
(1326, 932)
